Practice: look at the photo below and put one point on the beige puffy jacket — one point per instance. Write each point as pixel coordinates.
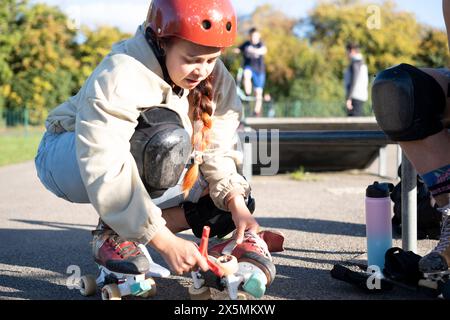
(104, 115)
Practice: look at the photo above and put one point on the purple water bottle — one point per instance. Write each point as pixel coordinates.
(378, 222)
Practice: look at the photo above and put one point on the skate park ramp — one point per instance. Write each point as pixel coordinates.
(320, 144)
(46, 240)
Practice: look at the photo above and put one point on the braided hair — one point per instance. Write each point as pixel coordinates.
(200, 98)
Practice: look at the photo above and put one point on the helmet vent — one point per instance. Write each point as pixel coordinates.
(229, 26)
(206, 24)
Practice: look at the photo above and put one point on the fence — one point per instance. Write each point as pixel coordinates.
(14, 118)
(302, 109)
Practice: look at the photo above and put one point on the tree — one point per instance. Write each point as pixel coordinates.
(9, 38)
(41, 59)
(96, 45)
(433, 49)
(335, 23)
(41, 63)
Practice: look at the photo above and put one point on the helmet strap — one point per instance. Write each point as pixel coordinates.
(160, 54)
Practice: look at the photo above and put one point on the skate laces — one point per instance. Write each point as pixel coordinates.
(258, 243)
(123, 248)
(444, 240)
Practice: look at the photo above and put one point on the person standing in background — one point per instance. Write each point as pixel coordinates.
(254, 67)
(356, 79)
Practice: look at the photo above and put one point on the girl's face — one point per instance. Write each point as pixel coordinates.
(188, 63)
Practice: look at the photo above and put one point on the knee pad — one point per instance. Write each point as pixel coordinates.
(408, 103)
(161, 148)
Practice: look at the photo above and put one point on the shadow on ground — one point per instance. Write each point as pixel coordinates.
(34, 263)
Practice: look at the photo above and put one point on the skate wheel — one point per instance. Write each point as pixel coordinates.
(228, 264)
(111, 292)
(152, 292)
(88, 285)
(241, 296)
(204, 293)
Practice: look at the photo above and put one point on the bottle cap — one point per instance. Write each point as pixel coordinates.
(379, 190)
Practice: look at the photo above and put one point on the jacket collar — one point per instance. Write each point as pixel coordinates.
(138, 48)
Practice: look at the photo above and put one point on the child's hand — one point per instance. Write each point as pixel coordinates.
(242, 218)
(181, 255)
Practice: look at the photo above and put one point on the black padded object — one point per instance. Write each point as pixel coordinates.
(408, 103)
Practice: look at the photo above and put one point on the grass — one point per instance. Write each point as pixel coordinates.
(301, 175)
(19, 145)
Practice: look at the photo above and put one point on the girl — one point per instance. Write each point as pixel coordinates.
(149, 140)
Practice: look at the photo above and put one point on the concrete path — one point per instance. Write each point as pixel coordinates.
(43, 238)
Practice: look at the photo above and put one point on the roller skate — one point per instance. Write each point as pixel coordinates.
(435, 265)
(248, 266)
(125, 268)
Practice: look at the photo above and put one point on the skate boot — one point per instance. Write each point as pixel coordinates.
(126, 268)
(255, 265)
(435, 265)
(116, 254)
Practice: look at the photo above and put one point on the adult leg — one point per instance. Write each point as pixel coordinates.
(428, 155)
(410, 106)
(446, 10)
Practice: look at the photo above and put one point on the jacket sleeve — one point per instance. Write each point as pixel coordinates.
(105, 123)
(221, 159)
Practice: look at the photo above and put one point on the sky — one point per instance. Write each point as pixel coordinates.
(127, 15)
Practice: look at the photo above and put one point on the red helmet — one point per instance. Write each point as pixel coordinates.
(209, 23)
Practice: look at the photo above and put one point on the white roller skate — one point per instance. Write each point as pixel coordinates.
(248, 266)
(126, 268)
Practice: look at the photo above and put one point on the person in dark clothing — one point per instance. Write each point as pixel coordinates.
(356, 80)
(253, 52)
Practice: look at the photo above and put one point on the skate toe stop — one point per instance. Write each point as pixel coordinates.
(255, 285)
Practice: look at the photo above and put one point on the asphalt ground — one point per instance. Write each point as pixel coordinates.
(44, 239)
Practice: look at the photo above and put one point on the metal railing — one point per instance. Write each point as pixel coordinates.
(377, 138)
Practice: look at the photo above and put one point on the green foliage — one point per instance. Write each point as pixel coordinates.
(96, 46)
(42, 63)
(335, 23)
(301, 175)
(433, 50)
(41, 60)
(305, 74)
